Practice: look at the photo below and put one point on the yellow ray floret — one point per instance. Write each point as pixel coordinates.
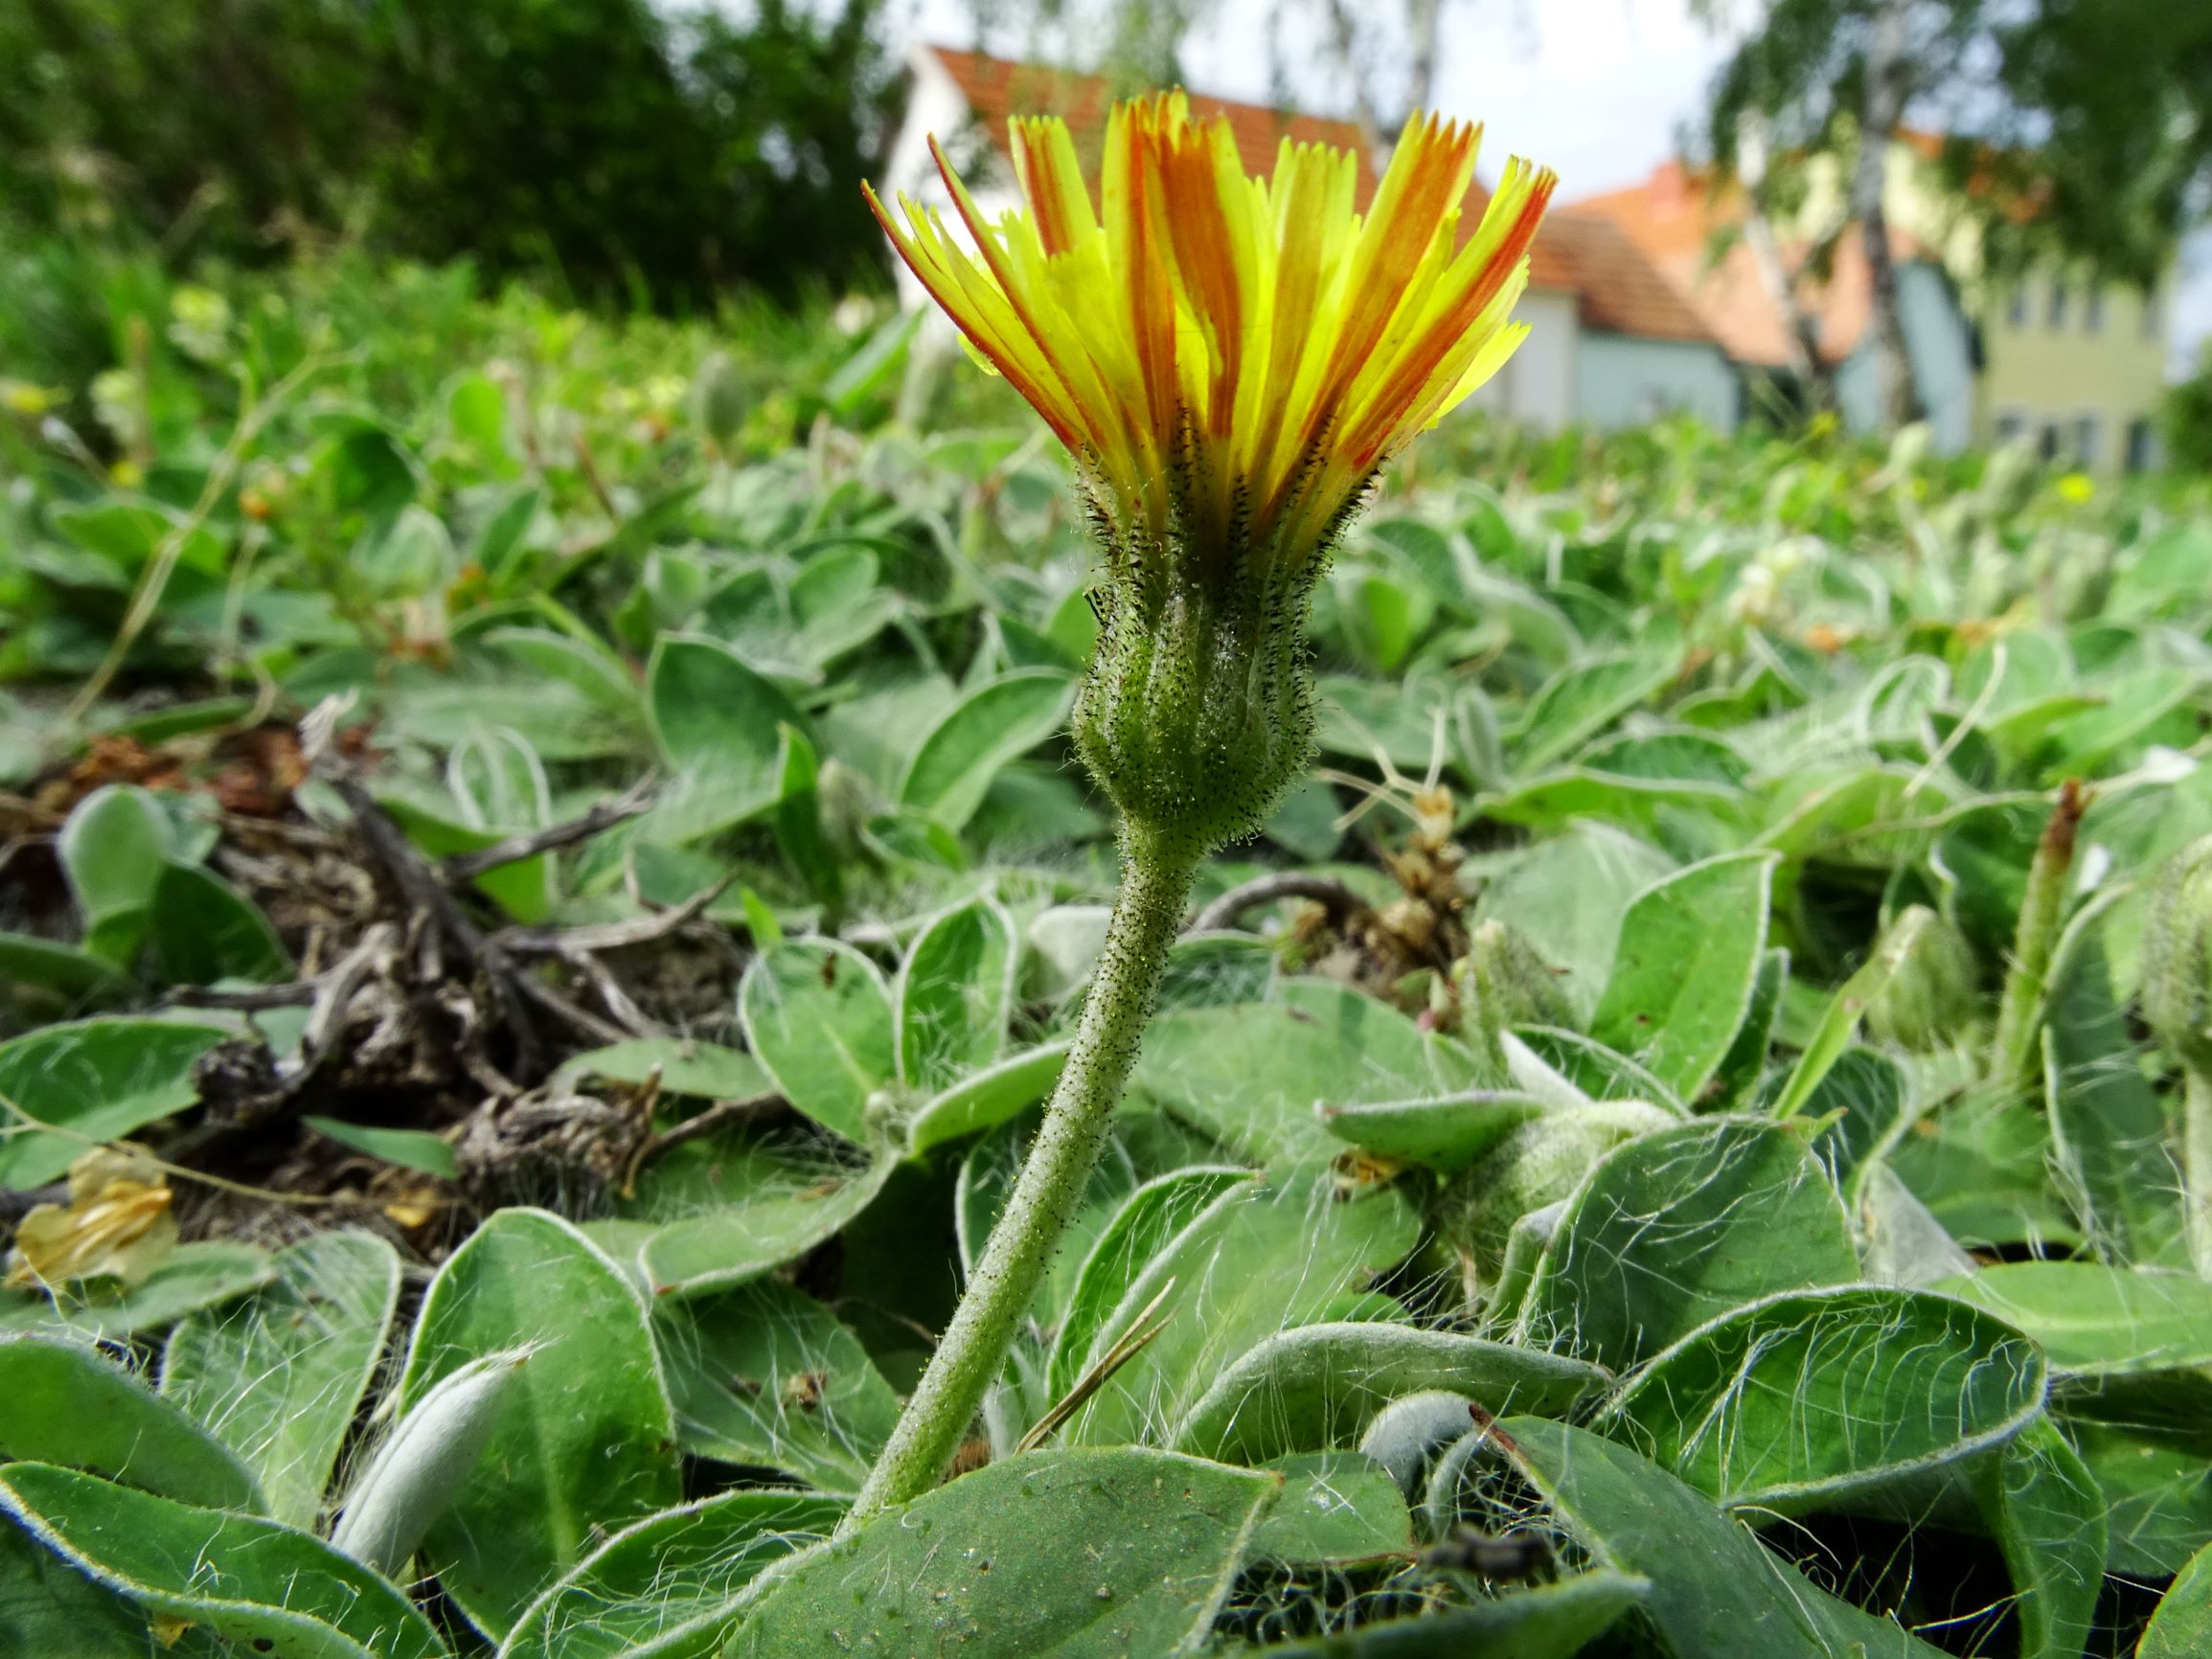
(1230, 358)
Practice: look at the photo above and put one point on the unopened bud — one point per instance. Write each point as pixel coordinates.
(1930, 993)
(718, 399)
(1540, 1163)
(2178, 956)
(1504, 982)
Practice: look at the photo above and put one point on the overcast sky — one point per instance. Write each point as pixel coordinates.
(1598, 89)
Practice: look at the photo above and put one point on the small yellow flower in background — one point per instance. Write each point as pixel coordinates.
(2078, 488)
(21, 398)
(1237, 353)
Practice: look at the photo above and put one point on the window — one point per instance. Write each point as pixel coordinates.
(2009, 426)
(2056, 317)
(2093, 311)
(2048, 444)
(2017, 308)
(2143, 444)
(2088, 440)
(2153, 314)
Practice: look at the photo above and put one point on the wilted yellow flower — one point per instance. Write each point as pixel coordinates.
(117, 1223)
(1231, 358)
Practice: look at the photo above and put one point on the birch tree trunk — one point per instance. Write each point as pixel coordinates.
(1800, 338)
(1887, 70)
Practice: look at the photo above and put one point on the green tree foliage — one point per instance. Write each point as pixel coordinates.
(2080, 128)
(626, 150)
(2189, 420)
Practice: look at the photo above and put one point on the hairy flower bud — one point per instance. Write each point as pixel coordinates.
(2178, 956)
(1931, 992)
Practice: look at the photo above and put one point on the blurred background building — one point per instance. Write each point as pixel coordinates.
(1986, 214)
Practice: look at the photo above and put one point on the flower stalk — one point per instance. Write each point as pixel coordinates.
(1156, 888)
(1230, 360)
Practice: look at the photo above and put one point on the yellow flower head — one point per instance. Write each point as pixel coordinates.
(1231, 358)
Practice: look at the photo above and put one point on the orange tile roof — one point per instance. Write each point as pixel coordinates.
(1617, 286)
(1675, 217)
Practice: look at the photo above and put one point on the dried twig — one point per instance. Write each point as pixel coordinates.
(720, 1115)
(466, 867)
(1134, 1342)
(1339, 900)
(563, 942)
(438, 915)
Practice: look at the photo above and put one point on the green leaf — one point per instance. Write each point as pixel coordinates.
(766, 1376)
(773, 1204)
(1746, 1062)
(113, 848)
(1802, 1397)
(978, 734)
(819, 1019)
(717, 724)
(986, 1099)
(1147, 1221)
(1567, 894)
(2152, 1477)
(1335, 1509)
(955, 995)
(1444, 1134)
(1251, 1076)
(1678, 1226)
(48, 1608)
(1716, 1590)
(797, 821)
(97, 1078)
(50, 979)
(277, 1377)
(2182, 1627)
(417, 1150)
(687, 1066)
(1316, 1387)
(67, 1405)
(2096, 1321)
(1583, 699)
(1689, 956)
(262, 1586)
(189, 1277)
(669, 1586)
(2107, 1124)
(203, 931)
(1551, 1622)
(1256, 1263)
(2043, 1506)
(588, 668)
(586, 1441)
(1119, 1554)
(1839, 1021)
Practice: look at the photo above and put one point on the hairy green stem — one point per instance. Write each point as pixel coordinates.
(1156, 888)
(2014, 1053)
(2197, 1166)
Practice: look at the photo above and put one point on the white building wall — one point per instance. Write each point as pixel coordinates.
(1537, 386)
(936, 105)
(1626, 380)
(1939, 340)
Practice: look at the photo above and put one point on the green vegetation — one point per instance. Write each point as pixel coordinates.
(546, 878)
